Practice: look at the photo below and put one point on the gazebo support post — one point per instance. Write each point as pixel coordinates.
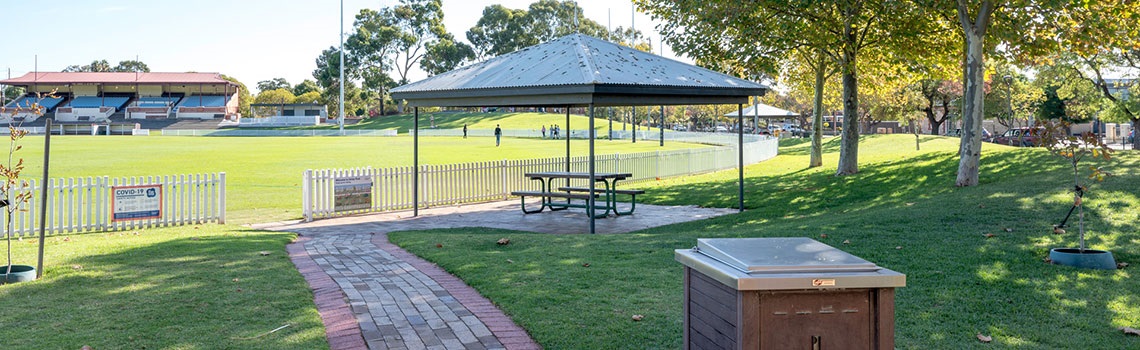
(740, 152)
(592, 203)
(415, 162)
(567, 143)
(661, 125)
(610, 113)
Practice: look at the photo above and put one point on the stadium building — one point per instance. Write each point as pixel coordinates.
(105, 97)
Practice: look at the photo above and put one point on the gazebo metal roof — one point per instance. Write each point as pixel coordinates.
(578, 70)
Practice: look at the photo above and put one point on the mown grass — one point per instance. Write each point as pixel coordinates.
(264, 173)
(901, 211)
(201, 287)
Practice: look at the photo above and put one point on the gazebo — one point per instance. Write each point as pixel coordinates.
(760, 110)
(577, 71)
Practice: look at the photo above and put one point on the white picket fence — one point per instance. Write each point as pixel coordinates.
(84, 204)
(452, 184)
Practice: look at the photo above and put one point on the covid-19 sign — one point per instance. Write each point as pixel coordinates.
(136, 202)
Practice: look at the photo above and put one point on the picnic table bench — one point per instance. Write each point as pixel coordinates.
(608, 191)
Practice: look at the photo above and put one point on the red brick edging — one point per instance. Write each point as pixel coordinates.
(509, 334)
(341, 327)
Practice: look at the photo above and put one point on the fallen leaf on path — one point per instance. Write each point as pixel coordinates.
(1129, 330)
(67, 239)
(193, 238)
(638, 317)
(909, 203)
(237, 280)
(1058, 231)
(439, 245)
(990, 235)
(586, 265)
(195, 227)
(239, 290)
(509, 261)
(86, 347)
(504, 241)
(823, 235)
(1048, 260)
(983, 206)
(1007, 229)
(985, 338)
(263, 253)
(1121, 265)
(898, 247)
(76, 267)
(847, 241)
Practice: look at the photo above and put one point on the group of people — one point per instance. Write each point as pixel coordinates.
(554, 131)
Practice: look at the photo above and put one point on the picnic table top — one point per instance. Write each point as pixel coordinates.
(577, 175)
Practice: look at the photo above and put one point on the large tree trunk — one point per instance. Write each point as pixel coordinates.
(970, 148)
(817, 115)
(849, 148)
(1136, 138)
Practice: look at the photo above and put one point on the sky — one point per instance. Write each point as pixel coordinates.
(251, 40)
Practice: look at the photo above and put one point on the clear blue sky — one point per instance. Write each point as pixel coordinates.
(252, 40)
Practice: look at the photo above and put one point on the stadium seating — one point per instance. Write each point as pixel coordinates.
(96, 102)
(24, 102)
(203, 101)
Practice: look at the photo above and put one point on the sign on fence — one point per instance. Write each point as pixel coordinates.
(352, 193)
(136, 202)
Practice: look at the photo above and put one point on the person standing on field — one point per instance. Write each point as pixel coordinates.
(544, 131)
(498, 135)
(464, 130)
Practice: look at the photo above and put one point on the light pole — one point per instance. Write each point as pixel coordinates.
(341, 83)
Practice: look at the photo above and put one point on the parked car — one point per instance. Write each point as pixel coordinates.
(986, 134)
(1018, 137)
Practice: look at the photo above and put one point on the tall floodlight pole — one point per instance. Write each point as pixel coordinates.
(341, 30)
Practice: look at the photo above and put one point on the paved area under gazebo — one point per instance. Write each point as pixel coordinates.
(372, 294)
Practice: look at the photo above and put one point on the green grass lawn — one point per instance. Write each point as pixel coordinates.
(194, 287)
(264, 173)
(901, 211)
(512, 121)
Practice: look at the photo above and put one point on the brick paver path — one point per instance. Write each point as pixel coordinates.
(372, 294)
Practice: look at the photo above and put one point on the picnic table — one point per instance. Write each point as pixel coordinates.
(608, 192)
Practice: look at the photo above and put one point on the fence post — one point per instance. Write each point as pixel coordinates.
(306, 195)
(503, 174)
(222, 198)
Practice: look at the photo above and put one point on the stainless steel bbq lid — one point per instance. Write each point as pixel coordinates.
(781, 255)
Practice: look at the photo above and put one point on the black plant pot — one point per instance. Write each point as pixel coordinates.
(1087, 259)
(20, 273)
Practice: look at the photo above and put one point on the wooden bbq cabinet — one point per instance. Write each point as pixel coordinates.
(785, 293)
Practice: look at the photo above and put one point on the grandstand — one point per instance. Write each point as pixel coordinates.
(95, 97)
(22, 106)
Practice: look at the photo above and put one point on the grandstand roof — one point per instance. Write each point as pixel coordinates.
(116, 78)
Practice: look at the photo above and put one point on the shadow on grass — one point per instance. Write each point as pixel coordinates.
(187, 292)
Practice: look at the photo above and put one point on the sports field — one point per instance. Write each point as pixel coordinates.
(263, 174)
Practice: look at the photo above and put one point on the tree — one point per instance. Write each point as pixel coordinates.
(95, 66)
(938, 94)
(273, 84)
(630, 37)
(502, 30)
(327, 76)
(278, 96)
(131, 66)
(1070, 96)
(104, 66)
(497, 32)
(11, 93)
(446, 54)
(308, 97)
(1027, 30)
(717, 31)
(305, 87)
